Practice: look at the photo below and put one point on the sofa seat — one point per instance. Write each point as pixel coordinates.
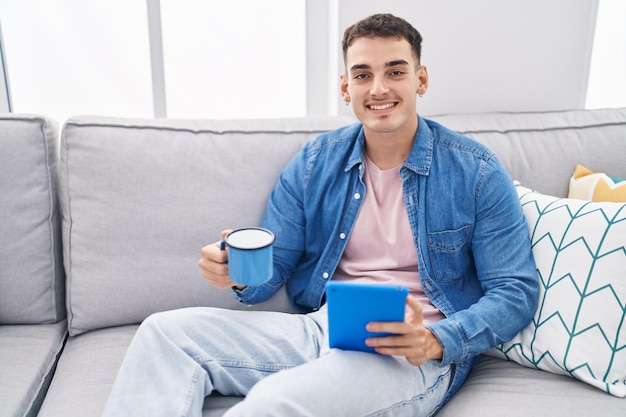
(496, 387)
(28, 354)
(88, 368)
(86, 371)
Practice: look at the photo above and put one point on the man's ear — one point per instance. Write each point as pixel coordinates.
(422, 76)
(343, 87)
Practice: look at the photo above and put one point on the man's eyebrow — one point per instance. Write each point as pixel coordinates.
(389, 64)
(396, 63)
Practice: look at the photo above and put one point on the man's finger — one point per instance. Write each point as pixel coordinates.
(416, 307)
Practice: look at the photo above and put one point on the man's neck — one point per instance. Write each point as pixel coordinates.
(388, 150)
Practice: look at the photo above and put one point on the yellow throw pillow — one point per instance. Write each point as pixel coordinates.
(596, 186)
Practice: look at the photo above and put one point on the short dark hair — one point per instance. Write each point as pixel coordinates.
(384, 26)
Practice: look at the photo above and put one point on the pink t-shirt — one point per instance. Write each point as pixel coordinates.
(381, 248)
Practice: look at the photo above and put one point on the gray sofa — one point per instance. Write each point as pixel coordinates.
(104, 227)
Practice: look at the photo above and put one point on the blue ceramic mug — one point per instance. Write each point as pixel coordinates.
(250, 256)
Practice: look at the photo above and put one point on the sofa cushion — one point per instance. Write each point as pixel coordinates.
(499, 388)
(28, 354)
(596, 186)
(578, 328)
(85, 373)
(84, 378)
(541, 149)
(140, 198)
(31, 269)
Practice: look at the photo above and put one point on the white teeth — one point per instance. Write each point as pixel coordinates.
(383, 107)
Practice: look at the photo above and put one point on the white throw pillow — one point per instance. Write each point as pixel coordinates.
(579, 328)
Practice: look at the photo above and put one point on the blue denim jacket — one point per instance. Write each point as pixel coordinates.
(475, 260)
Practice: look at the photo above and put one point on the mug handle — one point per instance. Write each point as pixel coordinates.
(223, 247)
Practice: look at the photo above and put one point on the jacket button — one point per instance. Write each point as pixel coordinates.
(342, 236)
(325, 275)
(357, 196)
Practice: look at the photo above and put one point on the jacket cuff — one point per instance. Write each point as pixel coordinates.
(452, 341)
(245, 295)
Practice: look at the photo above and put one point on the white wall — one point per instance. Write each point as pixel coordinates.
(488, 55)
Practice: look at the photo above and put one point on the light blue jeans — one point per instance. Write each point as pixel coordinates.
(280, 362)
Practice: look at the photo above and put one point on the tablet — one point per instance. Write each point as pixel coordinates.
(352, 305)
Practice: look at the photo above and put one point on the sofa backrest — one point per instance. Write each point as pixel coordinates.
(140, 198)
(541, 149)
(31, 268)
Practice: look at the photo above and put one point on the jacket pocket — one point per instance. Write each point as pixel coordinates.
(449, 253)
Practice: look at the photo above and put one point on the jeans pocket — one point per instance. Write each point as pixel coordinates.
(449, 253)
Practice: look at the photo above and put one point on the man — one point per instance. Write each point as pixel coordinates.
(394, 199)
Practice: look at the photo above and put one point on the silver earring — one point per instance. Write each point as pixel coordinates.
(347, 102)
(421, 95)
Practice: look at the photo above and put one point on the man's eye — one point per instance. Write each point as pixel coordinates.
(360, 76)
(397, 73)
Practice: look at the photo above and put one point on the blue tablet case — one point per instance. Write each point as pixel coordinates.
(352, 305)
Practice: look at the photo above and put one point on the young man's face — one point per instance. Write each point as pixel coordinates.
(381, 80)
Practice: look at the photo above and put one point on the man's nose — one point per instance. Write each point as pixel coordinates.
(379, 87)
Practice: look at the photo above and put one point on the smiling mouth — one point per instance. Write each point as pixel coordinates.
(382, 106)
